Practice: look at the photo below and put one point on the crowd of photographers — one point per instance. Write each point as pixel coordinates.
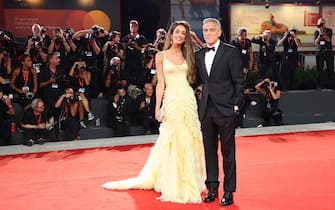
(56, 76)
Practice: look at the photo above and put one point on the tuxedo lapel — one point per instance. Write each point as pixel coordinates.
(217, 57)
(203, 65)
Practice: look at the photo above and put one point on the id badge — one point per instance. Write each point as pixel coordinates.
(37, 67)
(81, 90)
(264, 54)
(322, 42)
(290, 50)
(244, 51)
(7, 81)
(57, 53)
(25, 88)
(54, 85)
(89, 54)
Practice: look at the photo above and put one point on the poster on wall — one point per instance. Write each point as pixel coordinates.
(78, 15)
(194, 11)
(328, 12)
(277, 19)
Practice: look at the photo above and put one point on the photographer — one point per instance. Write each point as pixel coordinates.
(244, 45)
(38, 124)
(266, 57)
(324, 52)
(39, 34)
(149, 65)
(69, 103)
(160, 39)
(112, 48)
(5, 70)
(119, 112)
(9, 44)
(133, 44)
(115, 77)
(52, 82)
(269, 89)
(89, 46)
(146, 107)
(37, 52)
(6, 109)
(81, 79)
(289, 65)
(59, 45)
(24, 81)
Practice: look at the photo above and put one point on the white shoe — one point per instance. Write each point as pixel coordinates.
(82, 125)
(90, 116)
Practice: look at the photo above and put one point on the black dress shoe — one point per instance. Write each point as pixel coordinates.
(30, 142)
(227, 199)
(40, 141)
(211, 195)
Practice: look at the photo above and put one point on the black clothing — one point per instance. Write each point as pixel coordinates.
(24, 83)
(324, 54)
(266, 58)
(5, 134)
(147, 115)
(244, 47)
(289, 63)
(29, 117)
(221, 90)
(133, 61)
(69, 123)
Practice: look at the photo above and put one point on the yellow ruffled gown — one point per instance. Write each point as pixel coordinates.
(175, 166)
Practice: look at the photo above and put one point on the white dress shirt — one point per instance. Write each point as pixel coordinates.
(209, 56)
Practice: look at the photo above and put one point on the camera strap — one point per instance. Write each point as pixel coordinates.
(81, 82)
(57, 46)
(38, 117)
(25, 78)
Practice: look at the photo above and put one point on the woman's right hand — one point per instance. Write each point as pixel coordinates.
(158, 115)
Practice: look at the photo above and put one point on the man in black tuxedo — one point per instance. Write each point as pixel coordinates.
(219, 68)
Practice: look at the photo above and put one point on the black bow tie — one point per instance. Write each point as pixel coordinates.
(209, 49)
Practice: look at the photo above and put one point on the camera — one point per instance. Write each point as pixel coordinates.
(68, 33)
(115, 66)
(162, 36)
(37, 40)
(151, 50)
(43, 31)
(30, 95)
(2, 34)
(197, 92)
(96, 30)
(265, 85)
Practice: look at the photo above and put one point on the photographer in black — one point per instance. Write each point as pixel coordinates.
(59, 45)
(115, 77)
(160, 39)
(146, 107)
(52, 82)
(149, 65)
(133, 44)
(289, 65)
(5, 70)
(80, 82)
(69, 121)
(89, 49)
(269, 89)
(244, 45)
(38, 54)
(39, 34)
(6, 109)
(324, 52)
(120, 108)
(24, 82)
(266, 57)
(38, 124)
(9, 44)
(73, 54)
(112, 48)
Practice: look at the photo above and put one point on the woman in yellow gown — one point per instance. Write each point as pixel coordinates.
(175, 166)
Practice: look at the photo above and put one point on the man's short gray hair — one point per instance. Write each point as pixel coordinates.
(35, 103)
(213, 20)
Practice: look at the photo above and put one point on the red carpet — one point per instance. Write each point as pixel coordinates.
(277, 172)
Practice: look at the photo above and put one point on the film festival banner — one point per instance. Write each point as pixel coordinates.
(21, 15)
(278, 19)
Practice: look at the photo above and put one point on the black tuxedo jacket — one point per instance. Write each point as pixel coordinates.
(225, 83)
